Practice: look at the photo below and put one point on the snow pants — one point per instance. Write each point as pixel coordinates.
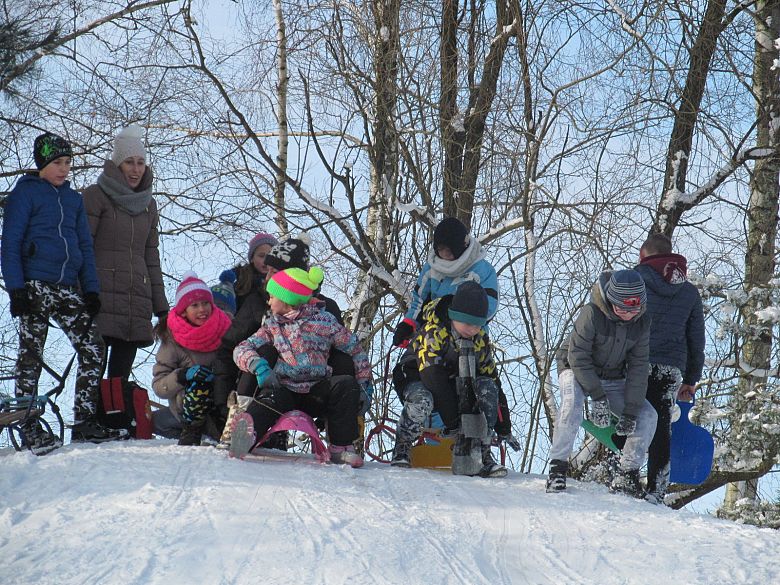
(570, 415)
(336, 399)
(419, 402)
(66, 307)
(663, 384)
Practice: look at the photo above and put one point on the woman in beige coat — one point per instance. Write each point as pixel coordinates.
(123, 220)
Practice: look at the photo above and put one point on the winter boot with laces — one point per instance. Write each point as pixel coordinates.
(236, 405)
(37, 439)
(627, 482)
(345, 455)
(91, 431)
(490, 467)
(401, 457)
(191, 433)
(556, 480)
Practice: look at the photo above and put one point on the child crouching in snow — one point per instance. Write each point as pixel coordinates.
(457, 378)
(606, 359)
(289, 357)
(182, 374)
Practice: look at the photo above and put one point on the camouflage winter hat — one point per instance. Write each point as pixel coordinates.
(48, 147)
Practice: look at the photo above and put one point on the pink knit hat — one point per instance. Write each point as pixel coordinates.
(259, 240)
(191, 290)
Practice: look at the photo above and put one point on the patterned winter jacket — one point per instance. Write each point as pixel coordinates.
(603, 347)
(434, 344)
(46, 236)
(677, 333)
(303, 344)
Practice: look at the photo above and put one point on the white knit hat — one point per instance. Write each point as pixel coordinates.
(129, 142)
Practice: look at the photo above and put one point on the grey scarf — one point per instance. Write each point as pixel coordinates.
(114, 184)
(441, 268)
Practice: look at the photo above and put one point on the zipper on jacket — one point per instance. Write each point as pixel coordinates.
(59, 231)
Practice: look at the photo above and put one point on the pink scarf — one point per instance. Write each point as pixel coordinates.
(205, 338)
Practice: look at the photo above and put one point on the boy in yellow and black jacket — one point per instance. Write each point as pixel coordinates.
(458, 378)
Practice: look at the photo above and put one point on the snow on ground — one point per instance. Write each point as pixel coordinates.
(151, 512)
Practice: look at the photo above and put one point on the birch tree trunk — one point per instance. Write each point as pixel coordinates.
(281, 117)
(762, 230)
(383, 154)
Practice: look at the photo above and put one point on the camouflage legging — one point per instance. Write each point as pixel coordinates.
(66, 307)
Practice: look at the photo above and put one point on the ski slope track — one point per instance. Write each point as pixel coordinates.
(152, 512)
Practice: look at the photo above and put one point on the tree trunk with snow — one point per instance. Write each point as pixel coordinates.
(383, 155)
(762, 231)
(463, 130)
(673, 203)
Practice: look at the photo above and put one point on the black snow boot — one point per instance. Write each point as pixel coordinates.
(401, 456)
(191, 433)
(627, 482)
(37, 439)
(490, 467)
(556, 480)
(91, 431)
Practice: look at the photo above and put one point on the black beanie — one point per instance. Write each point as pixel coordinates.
(292, 253)
(451, 233)
(48, 147)
(469, 304)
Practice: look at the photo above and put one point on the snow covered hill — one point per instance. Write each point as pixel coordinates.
(152, 512)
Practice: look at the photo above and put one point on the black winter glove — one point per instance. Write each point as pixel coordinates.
(403, 332)
(20, 302)
(599, 413)
(92, 303)
(511, 442)
(626, 425)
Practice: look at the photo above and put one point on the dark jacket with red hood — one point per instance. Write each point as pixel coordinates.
(677, 331)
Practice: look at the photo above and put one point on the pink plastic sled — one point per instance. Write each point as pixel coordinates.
(297, 420)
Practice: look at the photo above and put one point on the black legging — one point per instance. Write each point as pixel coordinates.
(121, 355)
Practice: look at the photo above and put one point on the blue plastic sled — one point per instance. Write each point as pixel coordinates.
(692, 449)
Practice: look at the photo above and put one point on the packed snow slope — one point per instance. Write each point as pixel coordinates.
(151, 512)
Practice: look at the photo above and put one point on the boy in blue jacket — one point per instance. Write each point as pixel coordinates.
(46, 254)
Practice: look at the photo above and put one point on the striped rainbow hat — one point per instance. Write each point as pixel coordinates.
(295, 286)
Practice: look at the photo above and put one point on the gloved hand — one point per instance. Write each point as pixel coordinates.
(199, 374)
(262, 371)
(600, 414)
(20, 302)
(403, 332)
(511, 442)
(92, 303)
(366, 393)
(626, 425)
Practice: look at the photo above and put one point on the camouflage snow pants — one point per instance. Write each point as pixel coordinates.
(66, 307)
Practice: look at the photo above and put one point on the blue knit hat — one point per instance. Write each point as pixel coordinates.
(224, 293)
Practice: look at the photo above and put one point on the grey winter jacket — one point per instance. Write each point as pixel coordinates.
(677, 334)
(603, 347)
(128, 264)
(172, 361)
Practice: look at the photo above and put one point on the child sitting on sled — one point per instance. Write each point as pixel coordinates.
(606, 359)
(289, 357)
(458, 379)
(182, 373)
